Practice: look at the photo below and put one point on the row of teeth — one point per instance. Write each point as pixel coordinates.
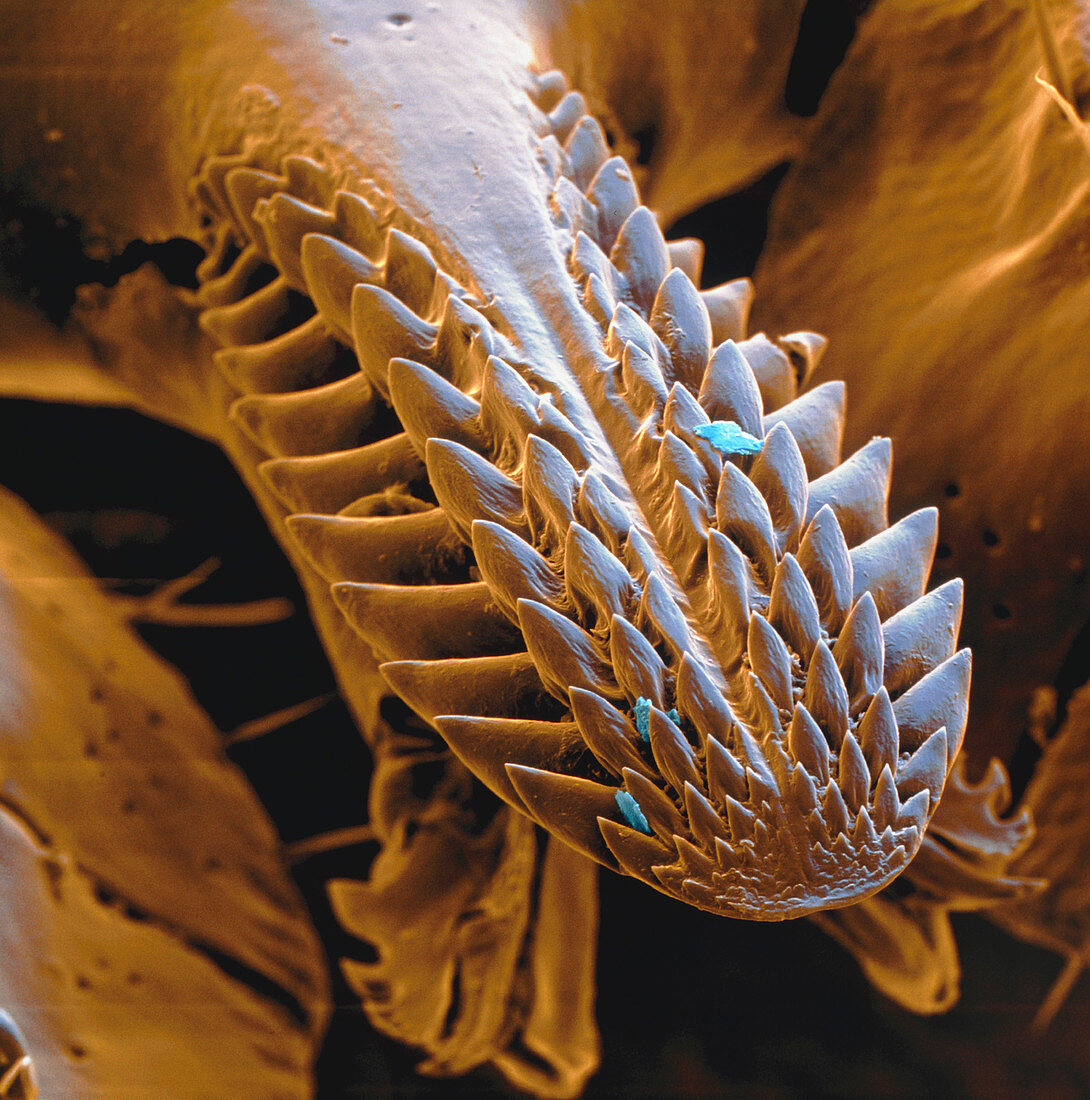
(735, 690)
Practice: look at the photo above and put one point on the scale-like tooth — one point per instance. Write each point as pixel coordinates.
(639, 669)
(444, 288)
(614, 193)
(334, 417)
(464, 341)
(607, 732)
(780, 474)
(886, 803)
(245, 188)
(741, 514)
(487, 745)
(208, 189)
(877, 733)
(595, 578)
(729, 857)
(825, 695)
(638, 556)
(773, 370)
(863, 834)
(599, 302)
(635, 853)
(551, 156)
(893, 565)
(303, 357)
(587, 151)
(410, 270)
(567, 806)
(703, 820)
(661, 813)
(564, 116)
(805, 350)
(549, 488)
(628, 327)
(429, 406)
(564, 652)
(807, 744)
(358, 223)
(509, 407)
(697, 869)
(699, 700)
(587, 259)
(914, 812)
(673, 754)
(492, 687)
(680, 319)
(682, 416)
(640, 255)
(570, 208)
(816, 420)
(469, 487)
(728, 599)
(793, 609)
(687, 254)
(770, 660)
(834, 811)
(922, 636)
(329, 482)
(230, 286)
(740, 820)
(761, 713)
(384, 328)
(926, 768)
(549, 88)
(824, 559)
(427, 622)
(405, 549)
(728, 307)
(643, 382)
(677, 463)
(599, 509)
(688, 534)
(860, 654)
(660, 608)
(726, 777)
(804, 791)
(853, 776)
(513, 569)
(857, 491)
(331, 270)
(285, 221)
(308, 179)
(253, 320)
(729, 390)
(941, 698)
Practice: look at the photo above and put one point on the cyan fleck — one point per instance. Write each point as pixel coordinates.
(630, 810)
(673, 715)
(728, 438)
(642, 713)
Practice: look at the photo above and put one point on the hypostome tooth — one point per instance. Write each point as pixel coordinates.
(805, 350)
(327, 483)
(549, 488)
(638, 555)
(661, 813)
(893, 565)
(703, 820)
(513, 569)
(636, 854)
(258, 317)
(770, 660)
(564, 116)
(804, 791)
(807, 744)
(683, 415)
(878, 735)
(469, 487)
(628, 327)
(728, 307)
(308, 179)
(687, 254)
(673, 754)
(331, 270)
(587, 259)
(509, 407)
(614, 193)
(926, 768)
(549, 89)
(740, 820)
(857, 491)
(816, 420)
(852, 775)
(384, 328)
(595, 579)
(427, 622)
(729, 390)
(599, 509)
(245, 188)
(780, 474)
(382, 550)
(863, 834)
(728, 599)
(825, 695)
(334, 417)
(772, 369)
(428, 406)
(640, 255)
(639, 669)
(410, 270)
(700, 700)
(463, 333)
(303, 357)
(824, 559)
(677, 463)
(285, 221)
(886, 803)
(922, 636)
(661, 609)
(587, 151)
(644, 385)
(914, 811)
(607, 732)
(224, 288)
(860, 654)
(680, 319)
(563, 652)
(688, 534)
(570, 208)
(834, 811)
(741, 514)
(599, 301)
(726, 777)
(941, 698)
(358, 223)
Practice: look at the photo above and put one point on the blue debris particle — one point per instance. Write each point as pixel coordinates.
(673, 715)
(630, 810)
(728, 438)
(642, 713)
